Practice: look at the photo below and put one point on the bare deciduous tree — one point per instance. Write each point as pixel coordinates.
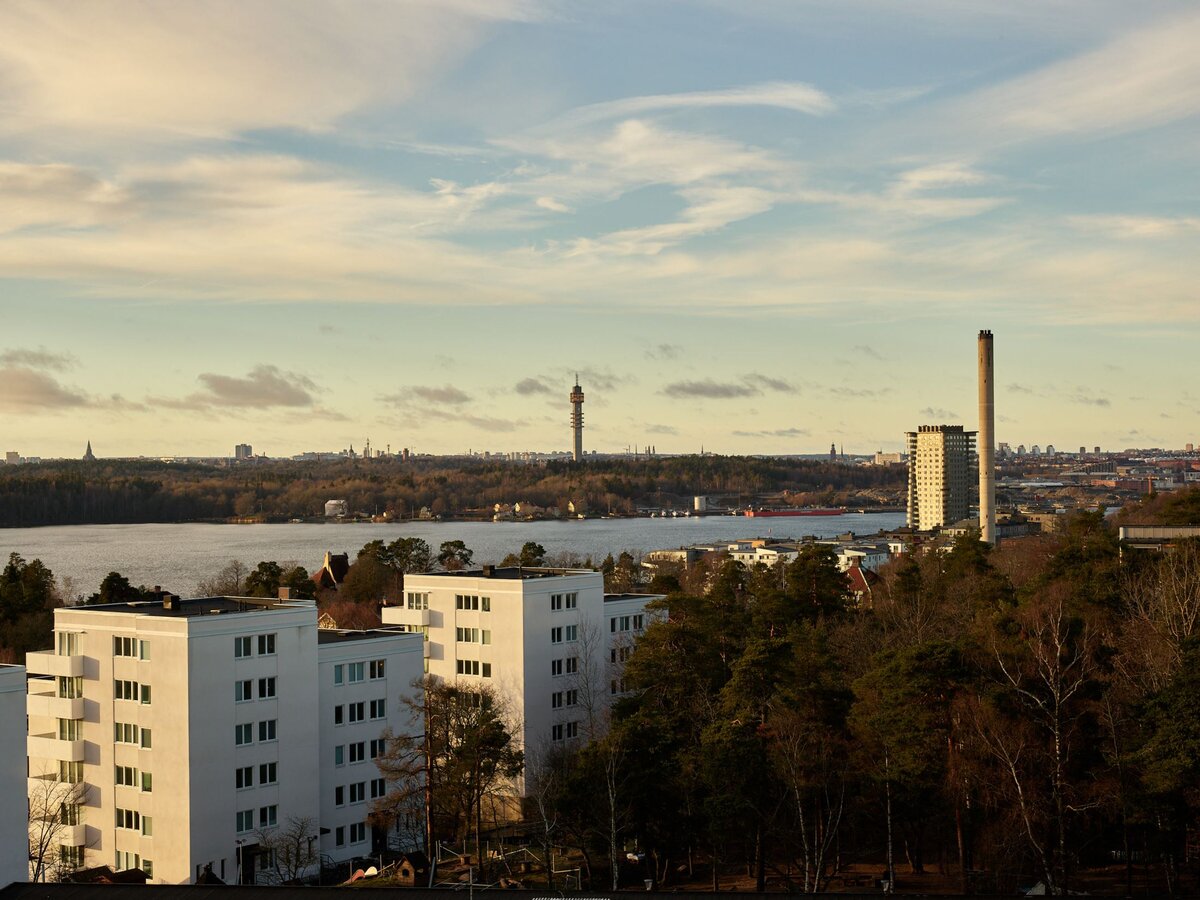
(293, 848)
(54, 806)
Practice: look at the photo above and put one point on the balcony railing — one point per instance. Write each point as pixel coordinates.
(47, 662)
(50, 705)
(49, 746)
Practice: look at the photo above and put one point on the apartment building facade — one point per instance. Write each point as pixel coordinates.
(193, 731)
(548, 641)
(940, 458)
(14, 860)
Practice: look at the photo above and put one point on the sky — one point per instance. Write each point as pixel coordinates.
(756, 226)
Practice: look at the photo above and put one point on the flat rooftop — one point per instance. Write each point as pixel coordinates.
(632, 596)
(510, 573)
(196, 606)
(346, 635)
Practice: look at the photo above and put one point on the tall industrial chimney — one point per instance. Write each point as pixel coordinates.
(987, 441)
(577, 419)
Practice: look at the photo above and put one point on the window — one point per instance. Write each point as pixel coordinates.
(125, 690)
(467, 667)
(245, 818)
(126, 775)
(358, 792)
(418, 600)
(266, 730)
(242, 692)
(339, 713)
(145, 738)
(147, 782)
(358, 833)
(147, 826)
(243, 734)
(556, 667)
(564, 601)
(464, 601)
(268, 773)
(572, 633)
(268, 816)
(266, 645)
(378, 747)
(70, 856)
(143, 649)
(339, 755)
(266, 688)
(339, 836)
(70, 687)
(556, 700)
(486, 670)
(68, 813)
(358, 752)
(485, 604)
(572, 729)
(145, 694)
(68, 643)
(556, 635)
(638, 622)
(125, 646)
(466, 635)
(355, 672)
(378, 788)
(556, 732)
(376, 669)
(572, 665)
(241, 647)
(148, 867)
(128, 818)
(70, 772)
(357, 711)
(244, 778)
(378, 709)
(339, 795)
(127, 860)
(572, 698)
(618, 686)
(337, 674)
(70, 729)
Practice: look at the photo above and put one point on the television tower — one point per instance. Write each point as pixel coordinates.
(987, 441)
(577, 419)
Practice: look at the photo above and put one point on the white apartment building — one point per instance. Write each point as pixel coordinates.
(14, 858)
(549, 641)
(197, 729)
(939, 475)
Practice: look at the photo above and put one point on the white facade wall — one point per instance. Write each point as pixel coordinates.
(14, 833)
(361, 667)
(221, 738)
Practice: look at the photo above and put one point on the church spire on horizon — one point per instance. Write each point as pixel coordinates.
(88, 455)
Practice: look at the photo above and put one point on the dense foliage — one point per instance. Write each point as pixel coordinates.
(126, 491)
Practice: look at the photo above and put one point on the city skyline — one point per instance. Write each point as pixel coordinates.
(765, 230)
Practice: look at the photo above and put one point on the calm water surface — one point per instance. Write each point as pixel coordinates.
(178, 557)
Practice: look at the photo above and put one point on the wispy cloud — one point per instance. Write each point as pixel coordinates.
(264, 387)
(447, 393)
(936, 412)
(664, 352)
(709, 390)
(530, 386)
(27, 391)
(39, 358)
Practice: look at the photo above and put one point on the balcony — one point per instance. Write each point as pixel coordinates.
(49, 705)
(47, 662)
(48, 746)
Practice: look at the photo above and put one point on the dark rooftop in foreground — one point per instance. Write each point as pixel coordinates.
(344, 635)
(176, 607)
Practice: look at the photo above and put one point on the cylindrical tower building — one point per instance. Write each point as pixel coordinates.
(987, 441)
(577, 420)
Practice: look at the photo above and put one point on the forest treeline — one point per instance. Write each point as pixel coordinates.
(74, 492)
(1029, 713)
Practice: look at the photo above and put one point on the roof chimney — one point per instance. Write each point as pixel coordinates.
(170, 602)
(489, 570)
(285, 593)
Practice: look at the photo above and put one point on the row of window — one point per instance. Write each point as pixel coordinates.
(358, 791)
(564, 634)
(564, 731)
(70, 772)
(566, 666)
(70, 687)
(244, 690)
(357, 712)
(354, 673)
(471, 601)
(472, 635)
(559, 699)
(358, 834)
(242, 646)
(268, 817)
(131, 647)
(132, 820)
(131, 690)
(128, 776)
(244, 734)
(473, 667)
(268, 773)
(358, 751)
(619, 654)
(564, 601)
(70, 729)
(128, 733)
(626, 623)
(126, 859)
(418, 600)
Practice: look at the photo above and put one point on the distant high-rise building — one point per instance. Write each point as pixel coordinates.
(1050, 450)
(1097, 451)
(939, 475)
(88, 455)
(12, 458)
(1188, 448)
(577, 420)
(987, 432)
(1082, 451)
(243, 451)
(833, 452)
